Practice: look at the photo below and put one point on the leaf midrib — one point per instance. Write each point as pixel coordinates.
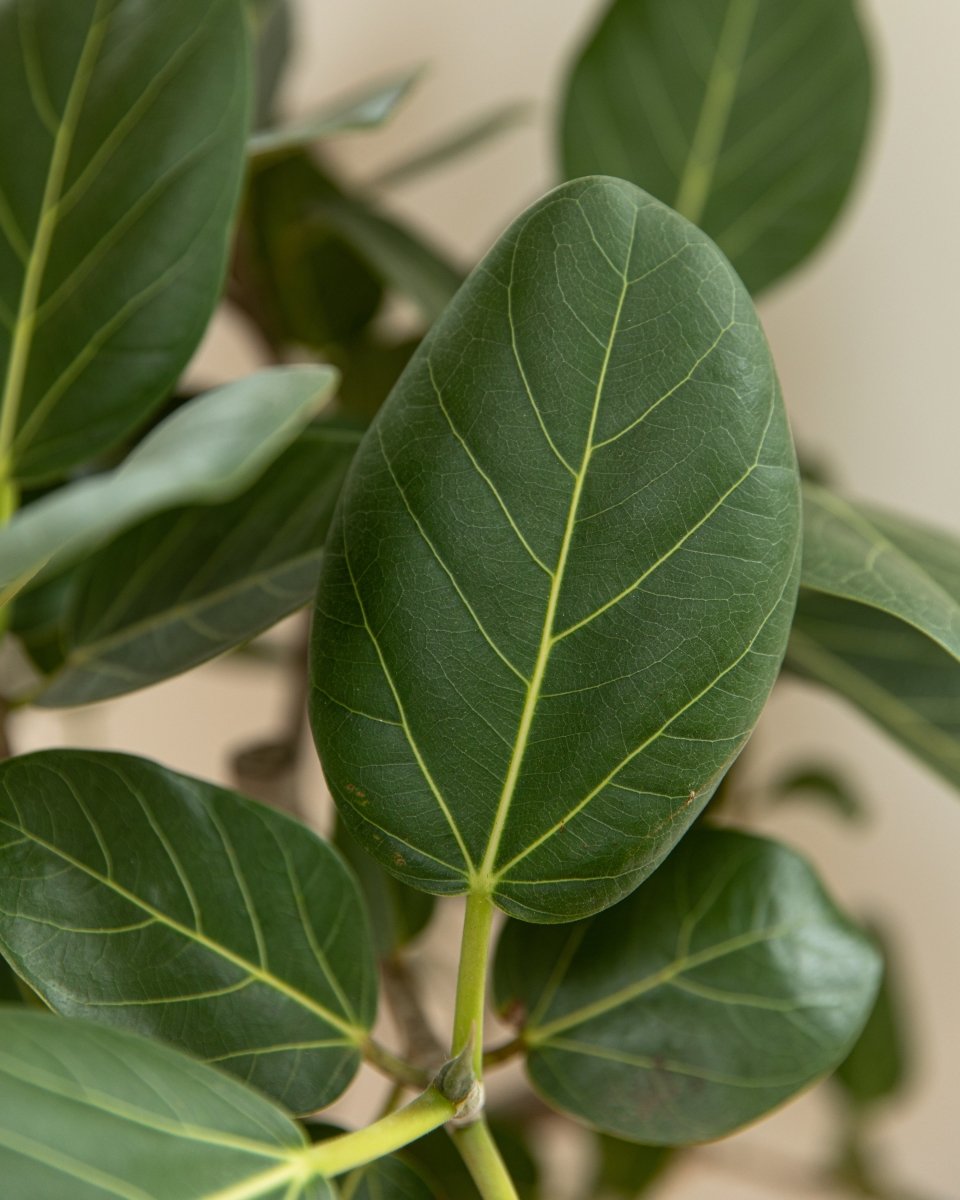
(354, 1034)
(46, 227)
(694, 188)
(486, 877)
(671, 971)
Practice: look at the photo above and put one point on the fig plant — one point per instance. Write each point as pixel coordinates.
(553, 546)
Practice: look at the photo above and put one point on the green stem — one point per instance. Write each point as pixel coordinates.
(397, 1069)
(479, 1151)
(340, 1154)
(472, 978)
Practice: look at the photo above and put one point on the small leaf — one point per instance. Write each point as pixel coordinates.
(188, 584)
(747, 116)
(561, 577)
(369, 108)
(454, 145)
(141, 898)
(88, 1112)
(209, 450)
(878, 1065)
(878, 621)
(822, 784)
(725, 985)
(129, 123)
(397, 912)
(627, 1170)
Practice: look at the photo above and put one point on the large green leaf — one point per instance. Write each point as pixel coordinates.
(879, 622)
(145, 899)
(207, 451)
(561, 578)
(718, 990)
(129, 123)
(748, 116)
(367, 109)
(184, 586)
(87, 1113)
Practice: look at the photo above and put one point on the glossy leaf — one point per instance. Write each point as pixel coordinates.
(142, 898)
(724, 986)
(879, 622)
(88, 1112)
(560, 581)
(454, 145)
(897, 566)
(184, 586)
(877, 1066)
(207, 451)
(397, 913)
(368, 109)
(747, 116)
(130, 124)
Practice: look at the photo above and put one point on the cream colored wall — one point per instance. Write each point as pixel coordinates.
(864, 338)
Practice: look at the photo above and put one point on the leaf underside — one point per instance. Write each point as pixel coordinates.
(184, 586)
(129, 123)
(561, 578)
(723, 986)
(137, 897)
(88, 1112)
(207, 451)
(879, 622)
(747, 116)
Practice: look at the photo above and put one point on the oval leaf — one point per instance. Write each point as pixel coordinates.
(748, 116)
(142, 898)
(207, 451)
(88, 1112)
(130, 124)
(185, 586)
(721, 988)
(561, 578)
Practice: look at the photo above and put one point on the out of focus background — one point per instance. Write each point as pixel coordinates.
(864, 336)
